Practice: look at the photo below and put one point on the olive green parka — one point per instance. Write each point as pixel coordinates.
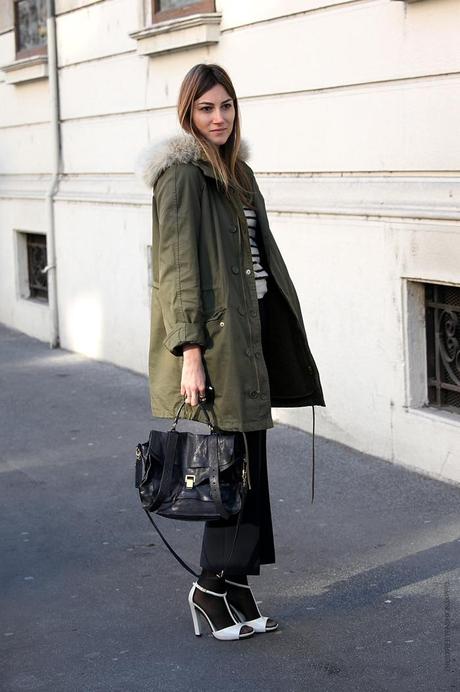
(204, 292)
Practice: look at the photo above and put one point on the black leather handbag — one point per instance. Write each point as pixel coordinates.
(193, 476)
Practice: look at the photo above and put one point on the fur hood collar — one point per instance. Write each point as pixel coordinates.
(157, 156)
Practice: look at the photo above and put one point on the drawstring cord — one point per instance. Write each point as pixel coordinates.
(313, 457)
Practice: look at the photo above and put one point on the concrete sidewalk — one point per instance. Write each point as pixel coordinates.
(366, 586)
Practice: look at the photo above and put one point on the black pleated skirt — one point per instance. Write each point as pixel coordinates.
(255, 545)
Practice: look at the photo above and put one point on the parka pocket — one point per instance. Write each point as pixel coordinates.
(214, 325)
(212, 300)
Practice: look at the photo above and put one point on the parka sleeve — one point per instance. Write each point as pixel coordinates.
(177, 195)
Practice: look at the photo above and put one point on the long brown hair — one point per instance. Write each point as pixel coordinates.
(227, 167)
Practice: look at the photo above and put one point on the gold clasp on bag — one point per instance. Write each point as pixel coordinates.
(189, 480)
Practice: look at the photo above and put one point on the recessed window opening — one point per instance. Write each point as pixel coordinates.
(442, 310)
(30, 27)
(36, 262)
(173, 9)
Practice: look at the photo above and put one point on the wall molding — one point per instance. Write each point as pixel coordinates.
(182, 33)
(404, 196)
(391, 196)
(26, 69)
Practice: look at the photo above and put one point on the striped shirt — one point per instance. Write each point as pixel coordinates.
(259, 271)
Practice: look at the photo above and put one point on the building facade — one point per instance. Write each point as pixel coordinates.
(351, 110)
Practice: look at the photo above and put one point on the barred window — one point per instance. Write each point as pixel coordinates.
(173, 9)
(442, 306)
(36, 262)
(30, 27)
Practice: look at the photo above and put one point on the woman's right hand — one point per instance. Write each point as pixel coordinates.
(193, 382)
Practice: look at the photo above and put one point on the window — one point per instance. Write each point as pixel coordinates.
(30, 27)
(36, 262)
(178, 25)
(172, 9)
(442, 317)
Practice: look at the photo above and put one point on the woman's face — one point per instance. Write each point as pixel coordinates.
(214, 114)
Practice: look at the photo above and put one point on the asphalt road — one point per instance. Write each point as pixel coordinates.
(366, 585)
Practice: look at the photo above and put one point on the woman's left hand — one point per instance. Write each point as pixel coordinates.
(193, 383)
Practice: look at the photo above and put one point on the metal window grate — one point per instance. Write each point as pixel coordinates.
(36, 261)
(442, 306)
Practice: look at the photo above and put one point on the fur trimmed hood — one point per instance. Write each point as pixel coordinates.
(157, 156)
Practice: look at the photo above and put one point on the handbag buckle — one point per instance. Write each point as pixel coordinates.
(189, 480)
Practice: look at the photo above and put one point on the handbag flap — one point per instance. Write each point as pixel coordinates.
(198, 449)
(195, 448)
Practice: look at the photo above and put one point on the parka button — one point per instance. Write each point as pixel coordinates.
(253, 313)
(233, 228)
(310, 369)
(257, 354)
(221, 324)
(241, 310)
(235, 269)
(253, 394)
(263, 396)
(248, 351)
(248, 271)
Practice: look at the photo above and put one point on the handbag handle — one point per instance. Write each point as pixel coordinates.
(210, 425)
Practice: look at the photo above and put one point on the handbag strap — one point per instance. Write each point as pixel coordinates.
(180, 560)
(237, 527)
(184, 564)
(214, 486)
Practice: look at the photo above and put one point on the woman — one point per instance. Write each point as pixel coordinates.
(225, 313)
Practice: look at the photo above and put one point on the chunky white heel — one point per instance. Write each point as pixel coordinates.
(237, 631)
(259, 624)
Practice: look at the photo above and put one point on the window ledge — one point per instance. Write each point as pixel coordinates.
(26, 69)
(435, 415)
(179, 34)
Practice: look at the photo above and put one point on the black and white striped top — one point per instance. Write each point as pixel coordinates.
(259, 271)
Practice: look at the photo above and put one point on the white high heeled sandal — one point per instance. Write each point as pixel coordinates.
(226, 633)
(258, 624)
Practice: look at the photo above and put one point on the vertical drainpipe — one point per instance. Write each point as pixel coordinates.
(56, 160)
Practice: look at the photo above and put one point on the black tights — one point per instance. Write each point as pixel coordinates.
(215, 606)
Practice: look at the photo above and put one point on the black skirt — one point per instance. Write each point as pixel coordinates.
(254, 545)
